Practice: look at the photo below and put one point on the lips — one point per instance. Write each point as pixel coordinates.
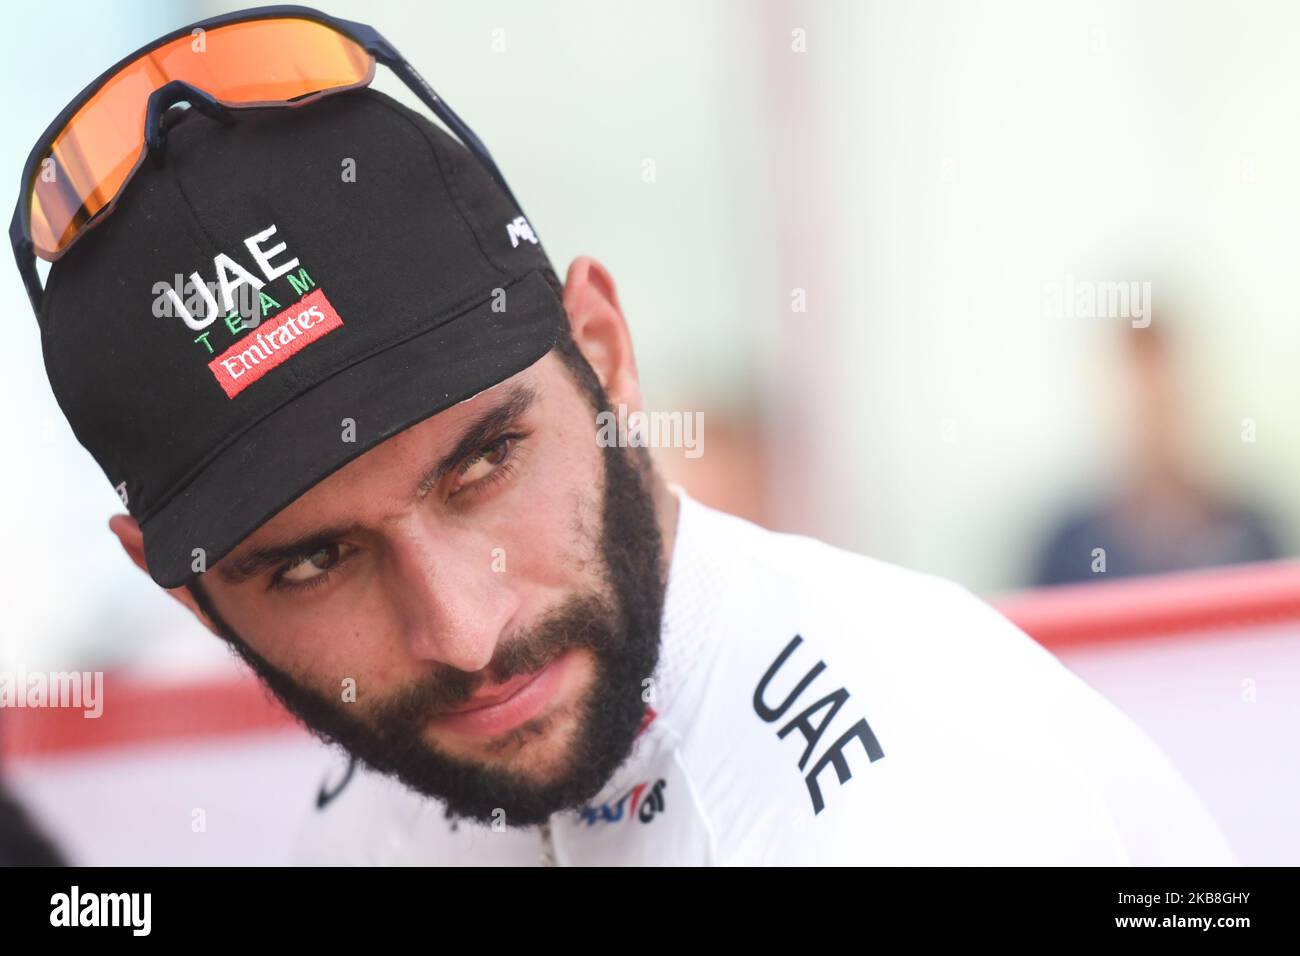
(499, 708)
(496, 693)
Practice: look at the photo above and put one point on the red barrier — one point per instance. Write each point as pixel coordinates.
(137, 712)
(1183, 604)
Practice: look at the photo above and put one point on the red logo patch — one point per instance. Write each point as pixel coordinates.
(275, 341)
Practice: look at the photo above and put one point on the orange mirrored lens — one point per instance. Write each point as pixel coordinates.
(242, 64)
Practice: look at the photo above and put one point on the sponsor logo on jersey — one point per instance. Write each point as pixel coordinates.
(642, 802)
(814, 720)
(325, 796)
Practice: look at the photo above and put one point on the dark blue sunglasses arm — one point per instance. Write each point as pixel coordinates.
(25, 256)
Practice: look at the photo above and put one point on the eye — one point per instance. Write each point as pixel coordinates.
(312, 567)
(486, 462)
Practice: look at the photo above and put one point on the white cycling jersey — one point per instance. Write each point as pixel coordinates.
(814, 706)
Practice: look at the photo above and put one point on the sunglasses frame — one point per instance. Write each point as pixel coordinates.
(368, 38)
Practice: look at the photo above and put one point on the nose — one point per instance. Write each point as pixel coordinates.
(453, 607)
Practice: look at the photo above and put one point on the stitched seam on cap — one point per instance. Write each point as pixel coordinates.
(448, 183)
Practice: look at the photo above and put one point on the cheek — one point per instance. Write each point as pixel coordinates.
(321, 648)
(550, 529)
(552, 543)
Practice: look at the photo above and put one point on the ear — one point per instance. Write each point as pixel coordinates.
(128, 533)
(600, 330)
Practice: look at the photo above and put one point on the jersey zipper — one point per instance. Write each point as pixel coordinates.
(548, 845)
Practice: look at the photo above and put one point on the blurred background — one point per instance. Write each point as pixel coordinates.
(1001, 291)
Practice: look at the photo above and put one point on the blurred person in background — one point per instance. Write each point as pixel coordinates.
(1165, 512)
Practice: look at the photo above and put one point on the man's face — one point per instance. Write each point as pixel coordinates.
(492, 551)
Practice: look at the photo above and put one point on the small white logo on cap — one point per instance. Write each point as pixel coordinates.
(519, 229)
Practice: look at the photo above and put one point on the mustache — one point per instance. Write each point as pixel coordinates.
(580, 623)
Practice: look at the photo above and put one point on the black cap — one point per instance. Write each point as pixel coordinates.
(390, 278)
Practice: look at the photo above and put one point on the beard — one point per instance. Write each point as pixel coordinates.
(617, 623)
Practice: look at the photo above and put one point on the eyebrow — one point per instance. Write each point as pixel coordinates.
(514, 403)
(512, 406)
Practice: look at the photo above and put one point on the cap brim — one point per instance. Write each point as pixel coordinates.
(301, 443)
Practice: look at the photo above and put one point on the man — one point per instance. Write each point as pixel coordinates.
(1162, 512)
(381, 485)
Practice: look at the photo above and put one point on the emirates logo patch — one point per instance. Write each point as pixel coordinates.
(277, 339)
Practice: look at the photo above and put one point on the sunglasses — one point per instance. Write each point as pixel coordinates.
(266, 56)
